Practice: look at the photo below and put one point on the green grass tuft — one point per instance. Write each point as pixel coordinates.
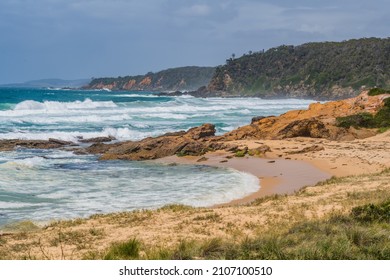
(240, 153)
(128, 250)
(176, 208)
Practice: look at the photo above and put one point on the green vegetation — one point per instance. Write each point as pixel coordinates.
(380, 120)
(175, 208)
(311, 70)
(23, 226)
(358, 120)
(182, 78)
(372, 212)
(128, 250)
(240, 153)
(362, 234)
(377, 91)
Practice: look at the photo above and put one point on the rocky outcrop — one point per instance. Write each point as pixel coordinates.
(9, 145)
(196, 141)
(318, 121)
(304, 128)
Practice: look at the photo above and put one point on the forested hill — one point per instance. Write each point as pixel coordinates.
(181, 78)
(328, 70)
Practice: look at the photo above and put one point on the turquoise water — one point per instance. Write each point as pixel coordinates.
(42, 185)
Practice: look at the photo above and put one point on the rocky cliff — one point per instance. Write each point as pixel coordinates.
(175, 79)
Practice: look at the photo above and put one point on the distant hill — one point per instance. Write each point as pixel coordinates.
(181, 78)
(56, 83)
(329, 70)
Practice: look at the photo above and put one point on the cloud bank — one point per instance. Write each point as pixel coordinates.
(84, 38)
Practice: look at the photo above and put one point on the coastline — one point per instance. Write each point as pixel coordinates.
(276, 176)
(362, 174)
(285, 169)
(169, 226)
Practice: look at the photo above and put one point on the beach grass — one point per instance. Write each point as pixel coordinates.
(361, 234)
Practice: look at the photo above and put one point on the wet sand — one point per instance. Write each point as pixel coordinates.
(277, 176)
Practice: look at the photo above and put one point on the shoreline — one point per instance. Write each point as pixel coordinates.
(276, 176)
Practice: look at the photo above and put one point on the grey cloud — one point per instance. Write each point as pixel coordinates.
(83, 38)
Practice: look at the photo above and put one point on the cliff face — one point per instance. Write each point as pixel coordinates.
(327, 70)
(182, 78)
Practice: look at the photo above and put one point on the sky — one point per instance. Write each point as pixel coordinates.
(72, 39)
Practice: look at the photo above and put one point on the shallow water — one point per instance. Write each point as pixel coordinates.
(42, 185)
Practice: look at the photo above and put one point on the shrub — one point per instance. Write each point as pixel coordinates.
(358, 120)
(372, 213)
(377, 91)
(380, 120)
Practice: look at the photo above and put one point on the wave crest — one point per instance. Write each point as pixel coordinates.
(31, 105)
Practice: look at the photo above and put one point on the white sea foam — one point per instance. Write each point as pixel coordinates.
(166, 116)
(228, 128)
(224, 192)
(73, 136)
(30, 105)
(11, 205)
(25, 163)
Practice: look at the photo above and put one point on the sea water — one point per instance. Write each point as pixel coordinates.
(43, 185)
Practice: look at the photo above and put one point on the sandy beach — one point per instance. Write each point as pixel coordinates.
(285, 169)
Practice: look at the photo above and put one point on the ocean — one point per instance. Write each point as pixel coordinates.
(46, 185)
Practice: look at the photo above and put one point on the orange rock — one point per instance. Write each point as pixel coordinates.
(318, 121)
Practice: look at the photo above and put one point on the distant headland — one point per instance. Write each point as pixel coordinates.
(321, 71)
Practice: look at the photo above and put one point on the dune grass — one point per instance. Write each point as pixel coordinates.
(364, 233)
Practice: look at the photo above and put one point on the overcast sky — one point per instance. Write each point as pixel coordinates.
(73, 39)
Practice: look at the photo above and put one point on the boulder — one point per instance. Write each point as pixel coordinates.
(256, 119)
(195, 142)
(259, 151)
(304, 128)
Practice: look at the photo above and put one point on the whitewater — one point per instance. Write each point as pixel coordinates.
(44, 185)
